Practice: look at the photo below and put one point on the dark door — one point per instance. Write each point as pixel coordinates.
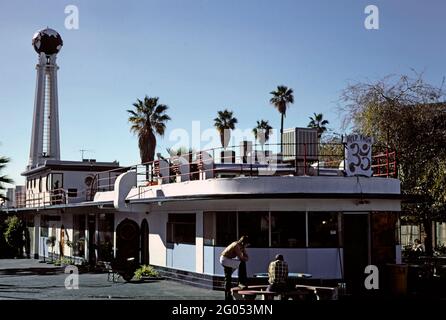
(127, 241)
(92, 239)
(356, 251)
(144, 242)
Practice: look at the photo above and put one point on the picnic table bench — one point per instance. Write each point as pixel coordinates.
(252, 292)
(291, 275)
(322, 293)
(301, 292)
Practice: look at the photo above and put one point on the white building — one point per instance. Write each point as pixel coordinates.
(178, 214)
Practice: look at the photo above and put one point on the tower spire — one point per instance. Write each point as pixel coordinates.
(45, 142)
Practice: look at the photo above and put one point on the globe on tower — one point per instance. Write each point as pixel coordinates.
(47, 41)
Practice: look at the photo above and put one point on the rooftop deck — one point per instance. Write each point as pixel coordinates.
(306, 160)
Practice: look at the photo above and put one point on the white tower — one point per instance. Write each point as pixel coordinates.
(45, 142)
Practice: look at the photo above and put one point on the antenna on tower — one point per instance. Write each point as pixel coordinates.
(82, 151)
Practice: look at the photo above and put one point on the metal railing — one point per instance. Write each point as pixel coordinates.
(325, 160)
(29, 199)
(304, 159)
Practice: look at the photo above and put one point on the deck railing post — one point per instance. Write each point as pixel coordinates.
(387, 161)
(305, 159)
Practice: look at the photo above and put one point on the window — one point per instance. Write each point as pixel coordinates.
(40, 184)
(209, 232)
(44, 224)
(72, 193)
(79, 221)
(54, 181)
(323, 229)
(181, 228)
(220, 228)
(409, 233)
(256, 226)
(288, 229)
(106, 228)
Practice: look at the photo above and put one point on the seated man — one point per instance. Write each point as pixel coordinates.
(278, 275)
(235, 257)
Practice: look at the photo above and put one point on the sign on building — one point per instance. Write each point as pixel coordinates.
(358, 155)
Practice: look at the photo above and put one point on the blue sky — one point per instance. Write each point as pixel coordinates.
(200, 56)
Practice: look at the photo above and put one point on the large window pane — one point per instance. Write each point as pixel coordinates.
(106, 228)
(323, 229)
(220, 228)
(209, 232)
(256, 226)
(79, 235)
(181, 228)
(288, 229)
(44, 225)
(226, 228)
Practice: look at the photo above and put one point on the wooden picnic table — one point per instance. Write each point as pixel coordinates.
(291, 275)
(252, 292)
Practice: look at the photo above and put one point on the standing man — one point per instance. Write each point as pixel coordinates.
(235, 257)
(278, 275)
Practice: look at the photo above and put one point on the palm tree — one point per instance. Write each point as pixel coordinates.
(282, 97)
(317, 122)
(148, 119)
(262, 131)
(3, 179)
(224, 123)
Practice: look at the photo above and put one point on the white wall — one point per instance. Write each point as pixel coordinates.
(199, 243)
(157, 238)
(271, 185)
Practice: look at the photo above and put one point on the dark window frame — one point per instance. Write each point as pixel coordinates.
(181, 236)
(326, 238)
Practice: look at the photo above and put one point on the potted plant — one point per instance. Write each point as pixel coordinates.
(146, 272)
(65, 261)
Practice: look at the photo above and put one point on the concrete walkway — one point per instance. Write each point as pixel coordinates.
(26, 279)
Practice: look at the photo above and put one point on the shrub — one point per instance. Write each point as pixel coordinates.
(14, 235)
(147, 271)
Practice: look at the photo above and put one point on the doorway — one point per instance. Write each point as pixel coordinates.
(92, 239)
(356, 251)
(145, 242)
(127, 240)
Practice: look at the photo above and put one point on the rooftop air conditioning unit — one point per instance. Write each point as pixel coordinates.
(300, 144)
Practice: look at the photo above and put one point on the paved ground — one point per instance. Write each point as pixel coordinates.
(26, 279)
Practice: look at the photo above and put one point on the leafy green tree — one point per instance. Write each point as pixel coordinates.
(318, 122)
(148, 119)
(14, 234)
(262, 132)
(331, 151)
(282, 97)
(224, 123)
(409, 115)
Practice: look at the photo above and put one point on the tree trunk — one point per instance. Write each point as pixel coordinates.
(281, 134)
(147, 145)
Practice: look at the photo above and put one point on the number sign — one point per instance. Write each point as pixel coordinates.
(358, 155)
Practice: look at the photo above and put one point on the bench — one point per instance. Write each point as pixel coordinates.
(322, 293)
(261, 291)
